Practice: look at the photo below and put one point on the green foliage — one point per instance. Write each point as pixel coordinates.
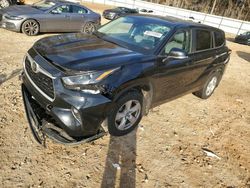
(238, 9)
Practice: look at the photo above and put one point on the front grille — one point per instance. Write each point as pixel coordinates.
(42, 81)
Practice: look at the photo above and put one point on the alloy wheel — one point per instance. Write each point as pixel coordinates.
(89, 28)
(211, 86)
(4, 3)
(127, 115)
(31, 28)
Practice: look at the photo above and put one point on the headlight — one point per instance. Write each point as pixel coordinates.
(13, 17)
(112, 14)
(80, 82)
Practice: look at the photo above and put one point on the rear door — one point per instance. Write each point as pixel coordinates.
(221, 51)
(58, 19)
(204, 55)
(78, 17)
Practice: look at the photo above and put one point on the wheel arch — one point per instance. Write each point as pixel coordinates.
(220, 69)
(146, 89)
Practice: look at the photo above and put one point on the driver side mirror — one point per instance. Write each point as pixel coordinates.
(176, 53)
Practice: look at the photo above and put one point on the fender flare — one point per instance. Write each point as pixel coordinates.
(146, 89)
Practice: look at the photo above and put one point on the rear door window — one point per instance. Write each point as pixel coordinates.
(203, 40)
(63, 9)
(218, 38)
(78, 10)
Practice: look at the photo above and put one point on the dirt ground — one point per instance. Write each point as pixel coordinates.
(165, 151)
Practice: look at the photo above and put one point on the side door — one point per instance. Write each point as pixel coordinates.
(78, 18)
(204, 56)
(173, 74)
(58, 19)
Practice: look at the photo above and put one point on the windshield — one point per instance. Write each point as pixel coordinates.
(43, 5)
(145, 33)
(120, 8)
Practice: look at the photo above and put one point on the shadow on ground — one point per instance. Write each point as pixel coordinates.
(121, 162)
(5, 77)
(244, 55)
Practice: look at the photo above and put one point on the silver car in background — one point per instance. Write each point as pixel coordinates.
(49, 16)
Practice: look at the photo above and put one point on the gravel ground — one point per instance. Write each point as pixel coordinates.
(165, 151)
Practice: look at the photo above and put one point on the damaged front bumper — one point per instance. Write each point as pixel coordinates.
(65, 115)
(42, 125)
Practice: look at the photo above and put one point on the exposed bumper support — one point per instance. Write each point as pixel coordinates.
(41, 126)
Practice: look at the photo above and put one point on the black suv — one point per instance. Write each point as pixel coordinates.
(132, 64)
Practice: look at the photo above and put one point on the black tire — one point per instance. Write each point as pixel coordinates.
(203, 93)
(30, 27)
(119, 104)
(88, 28)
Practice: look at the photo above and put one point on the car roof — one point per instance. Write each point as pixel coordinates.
(177, 22)
(63, 2)
(123, 8)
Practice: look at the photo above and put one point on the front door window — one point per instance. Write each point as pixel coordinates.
(180, 40)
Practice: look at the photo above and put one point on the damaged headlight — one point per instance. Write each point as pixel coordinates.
(84, 81)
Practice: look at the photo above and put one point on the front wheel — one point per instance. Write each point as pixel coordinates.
(4, 3)
(30, 27)
(126, 114)
(209, 86)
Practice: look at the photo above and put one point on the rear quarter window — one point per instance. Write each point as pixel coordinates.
(219, 38)
(203, 40)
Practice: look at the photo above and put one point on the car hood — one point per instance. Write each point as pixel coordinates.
(80, 52)
(17, 10)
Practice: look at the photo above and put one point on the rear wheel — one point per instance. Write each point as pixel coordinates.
(126, 114)
(30, 27)
(209, 87)
(88, 28)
